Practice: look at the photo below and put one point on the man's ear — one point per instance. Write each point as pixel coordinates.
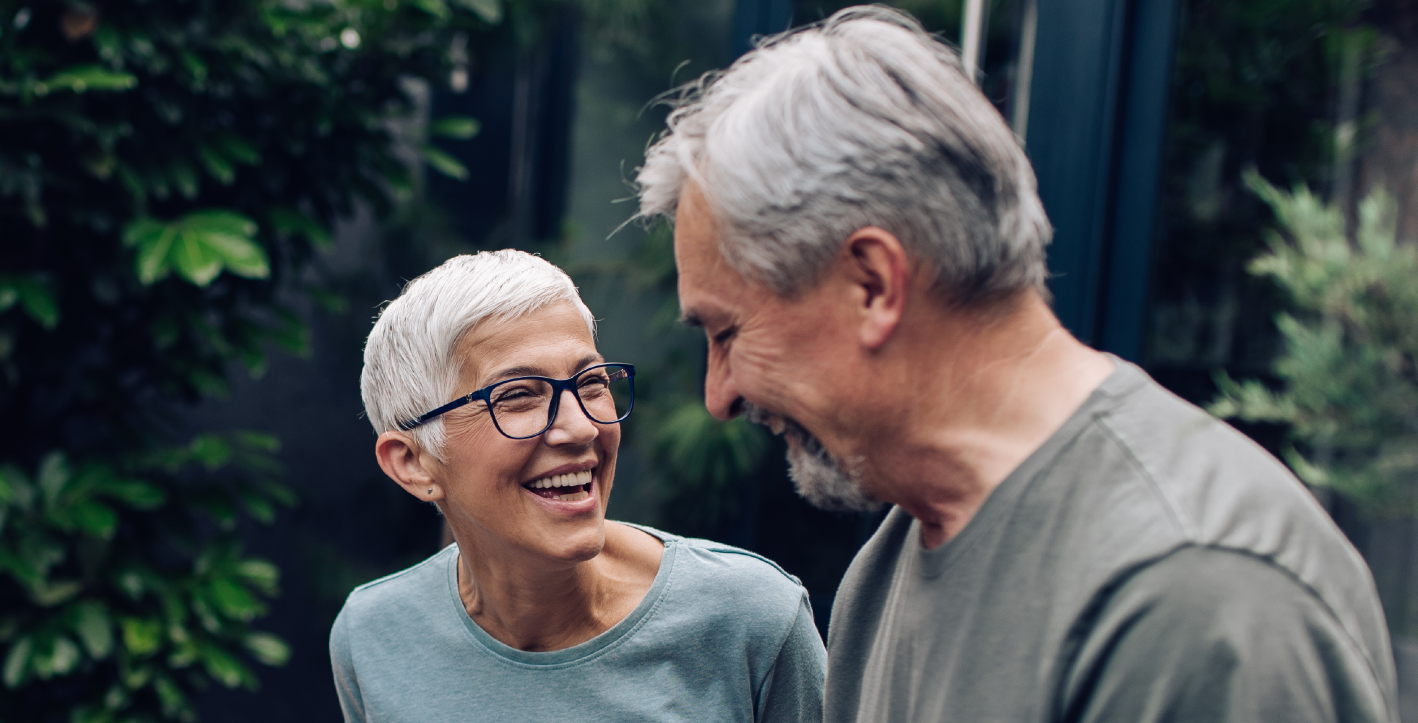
(406, 463)
(877, 265)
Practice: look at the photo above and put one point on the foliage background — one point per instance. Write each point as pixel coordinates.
(167, 174)
(1350, 394)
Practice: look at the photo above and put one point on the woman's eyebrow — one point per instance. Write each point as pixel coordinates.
(517, 371)
(531, 371)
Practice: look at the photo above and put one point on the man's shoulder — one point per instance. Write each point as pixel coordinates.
(1172, 624)
(1191, 455)
(1197, 583)
(1207, 486)
(1203, 480)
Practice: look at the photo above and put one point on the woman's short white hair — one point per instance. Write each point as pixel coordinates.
(861, 120)
(409, 363)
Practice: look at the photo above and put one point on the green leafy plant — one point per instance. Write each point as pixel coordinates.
(168, 173)
(1349, 369)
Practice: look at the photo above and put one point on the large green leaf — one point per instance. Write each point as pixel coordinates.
(49, 593)
(238, 150)
(15, 488)
(290, 221)
(34, 295)
(153, 240)
(234, 600)
(94, 518)
(216, 164)
(84, 78)
(141, 637)
(135, 493)
(241, 256)
(268, 648)
(490, 11)
(60, 657)
(225, 668)
(17, 661)
(444, 163)
(53, 476)
(458, 127)
(90, 621)
(199, 246)
(260, 574)
(195, 259)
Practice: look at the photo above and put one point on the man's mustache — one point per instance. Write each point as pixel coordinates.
(781, 425)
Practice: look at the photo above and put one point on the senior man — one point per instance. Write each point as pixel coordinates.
(859, 234)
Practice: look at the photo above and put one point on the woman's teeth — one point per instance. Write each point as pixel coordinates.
(573, 487)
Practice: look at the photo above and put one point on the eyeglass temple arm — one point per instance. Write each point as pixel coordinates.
(461, 401)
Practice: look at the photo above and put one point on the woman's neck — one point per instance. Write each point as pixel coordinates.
(537, 607)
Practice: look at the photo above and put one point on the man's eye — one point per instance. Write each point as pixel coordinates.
(725, 335)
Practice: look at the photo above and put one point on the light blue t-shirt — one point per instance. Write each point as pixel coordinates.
(722, 635)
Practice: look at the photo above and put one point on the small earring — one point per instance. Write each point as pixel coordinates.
(430, 490)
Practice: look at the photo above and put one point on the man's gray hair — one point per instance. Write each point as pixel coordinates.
(861, 120)
(410, 367)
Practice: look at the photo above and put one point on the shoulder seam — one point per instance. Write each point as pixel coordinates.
(1147, 474)
(1318, 598)
(1106, 592)
(778, 653)
(731, 550)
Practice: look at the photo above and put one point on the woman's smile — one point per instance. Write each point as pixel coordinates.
(568, 487)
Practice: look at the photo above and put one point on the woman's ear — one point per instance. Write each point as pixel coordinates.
(405, 462)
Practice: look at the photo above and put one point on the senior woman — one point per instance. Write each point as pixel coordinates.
(491, 401)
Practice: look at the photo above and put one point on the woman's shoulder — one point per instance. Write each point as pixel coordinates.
(715, 566)
(423, 583)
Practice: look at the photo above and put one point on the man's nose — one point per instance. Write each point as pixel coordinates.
(721, 397)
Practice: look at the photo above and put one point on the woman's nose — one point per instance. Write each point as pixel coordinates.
(571, 425)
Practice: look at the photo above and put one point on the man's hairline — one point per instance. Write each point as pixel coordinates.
(988, 308)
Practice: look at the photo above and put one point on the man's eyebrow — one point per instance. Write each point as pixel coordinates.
(689, 318)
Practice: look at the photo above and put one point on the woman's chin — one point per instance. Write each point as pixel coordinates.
(579, 547)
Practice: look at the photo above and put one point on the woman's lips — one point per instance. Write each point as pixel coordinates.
(569, 487)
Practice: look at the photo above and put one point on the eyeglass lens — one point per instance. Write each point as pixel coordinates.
(522, 407)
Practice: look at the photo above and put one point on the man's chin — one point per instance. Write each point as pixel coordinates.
(824, 482)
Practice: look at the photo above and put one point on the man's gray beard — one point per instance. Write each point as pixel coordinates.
(823, 481)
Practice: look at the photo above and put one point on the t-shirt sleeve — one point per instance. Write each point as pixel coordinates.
(1216, 635)
(792, 691)
(342, 663)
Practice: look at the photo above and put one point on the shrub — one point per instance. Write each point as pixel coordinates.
(168, 171)
(1350, 383)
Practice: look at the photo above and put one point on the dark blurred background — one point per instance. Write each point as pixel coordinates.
(182, 426)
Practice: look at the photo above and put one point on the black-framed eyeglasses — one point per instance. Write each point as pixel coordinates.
(524, 407)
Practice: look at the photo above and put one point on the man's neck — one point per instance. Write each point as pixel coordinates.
(987, 391)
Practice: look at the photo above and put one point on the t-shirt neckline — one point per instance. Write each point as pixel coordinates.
(581, 651)
(1124, 379)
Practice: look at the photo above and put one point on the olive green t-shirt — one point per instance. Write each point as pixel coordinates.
(1147, 563)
